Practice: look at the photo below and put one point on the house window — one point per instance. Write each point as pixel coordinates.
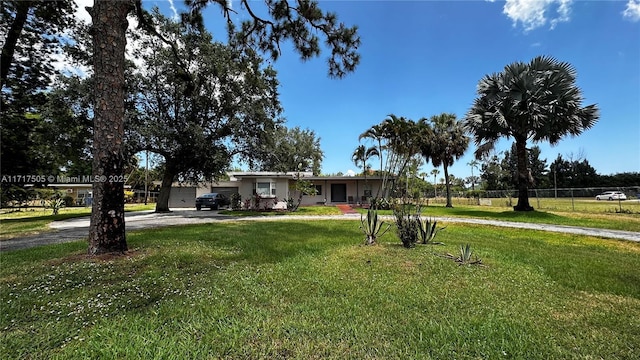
(265, 189)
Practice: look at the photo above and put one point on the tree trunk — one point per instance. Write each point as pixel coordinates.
(107, 228)
(446, 182)
(162, 205)
(523, 176)
(9, 47)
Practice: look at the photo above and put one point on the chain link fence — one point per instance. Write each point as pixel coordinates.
(572, 199)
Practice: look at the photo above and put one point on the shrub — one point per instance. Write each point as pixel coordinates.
(269, 204)
(291, 205)
(407, 225)
(128, 196)
(255, 205)
(68, 200)
(45, 194)
(236, 201)
(380, 204)
(14, 195)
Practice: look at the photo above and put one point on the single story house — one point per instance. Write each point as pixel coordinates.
(279, 186)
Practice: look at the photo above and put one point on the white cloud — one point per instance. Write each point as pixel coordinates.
(564, 9)
(632, 12)
(81, 12)
(174, 10)
(535, 13)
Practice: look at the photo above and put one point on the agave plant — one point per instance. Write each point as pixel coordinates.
(465, 257)
(372, 227)
(465, 254)
(427, 230)
(56, 205)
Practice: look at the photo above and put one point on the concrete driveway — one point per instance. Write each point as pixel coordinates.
(78, 228)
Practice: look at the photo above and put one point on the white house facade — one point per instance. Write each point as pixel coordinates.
(275, 188)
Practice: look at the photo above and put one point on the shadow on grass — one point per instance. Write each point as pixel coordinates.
(42, 217)
(523, 216)
(504, 215)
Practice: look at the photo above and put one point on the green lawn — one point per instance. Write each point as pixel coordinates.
(301, 289)
(303, 210)
(31, 221)
(594, 218)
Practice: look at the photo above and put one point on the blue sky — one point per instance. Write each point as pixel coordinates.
(422, 58)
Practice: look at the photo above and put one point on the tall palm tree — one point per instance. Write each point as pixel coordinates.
(360, 156)
(375, 133)
(473, 164)
(435, 173)
(448, 143)
(396, 136)
(537, 101)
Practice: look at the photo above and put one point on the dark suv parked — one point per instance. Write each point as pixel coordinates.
(212, 201)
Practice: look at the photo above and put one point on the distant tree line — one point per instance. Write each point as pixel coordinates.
(499, 173)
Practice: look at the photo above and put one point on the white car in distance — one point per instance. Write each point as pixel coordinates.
(611, 195)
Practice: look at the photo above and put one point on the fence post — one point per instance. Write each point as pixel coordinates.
(572, 204)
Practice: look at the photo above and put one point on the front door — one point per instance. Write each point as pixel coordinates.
(338, 193)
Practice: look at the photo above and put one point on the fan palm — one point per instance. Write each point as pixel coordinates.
(537, 101)
(447, 143)
(473, 164)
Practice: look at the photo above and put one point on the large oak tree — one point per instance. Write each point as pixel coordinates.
(200, 104)
(292, 149)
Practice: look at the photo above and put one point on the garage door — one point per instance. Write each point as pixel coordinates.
(182, 197)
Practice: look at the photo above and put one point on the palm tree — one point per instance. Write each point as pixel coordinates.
(398, 137)
(435, 173)
(360, 156)
(375, 133)
(473, 164)
(448, 143)
(537, 101)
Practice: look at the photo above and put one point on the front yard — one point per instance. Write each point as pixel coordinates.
(301, 289)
